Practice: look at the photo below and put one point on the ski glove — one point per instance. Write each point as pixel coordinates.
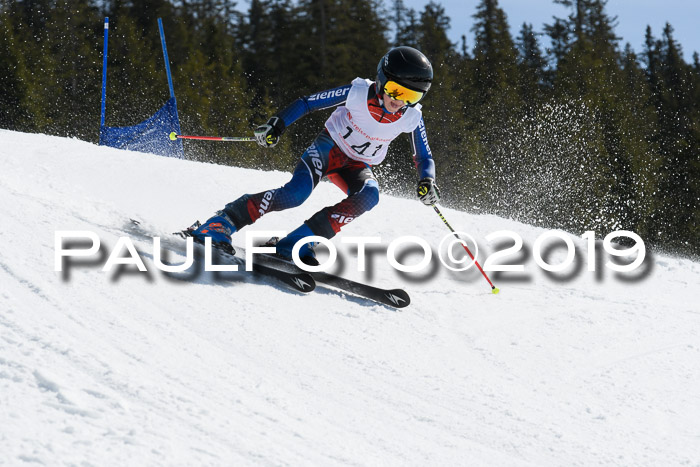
(428, 191)
(268, 135)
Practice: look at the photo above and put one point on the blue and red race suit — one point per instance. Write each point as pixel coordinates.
(323, 158)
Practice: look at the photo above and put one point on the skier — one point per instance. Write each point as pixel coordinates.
(356, 137)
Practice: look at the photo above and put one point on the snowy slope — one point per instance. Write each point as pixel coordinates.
(139, 369)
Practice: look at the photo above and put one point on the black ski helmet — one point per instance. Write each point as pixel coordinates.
(407, 67)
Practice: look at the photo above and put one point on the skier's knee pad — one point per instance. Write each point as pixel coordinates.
(297, 190)
(368, 196)
(293, 196)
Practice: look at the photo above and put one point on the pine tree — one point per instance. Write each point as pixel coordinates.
(560, 39)
(74, 43)
(258, 50)
(639, 125)
(652, 60)
(609, 88)
(532, 67)
(678, 202)
(33, 63)
(14, 100)
(495, 59)
(284, 52)
(493, 101)
(588, 61)
(405, 22)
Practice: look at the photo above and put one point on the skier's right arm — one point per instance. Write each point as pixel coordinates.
(268, 135)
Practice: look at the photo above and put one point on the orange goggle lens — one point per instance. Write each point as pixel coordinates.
(402, 93)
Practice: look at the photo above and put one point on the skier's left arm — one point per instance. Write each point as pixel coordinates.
(427, 189)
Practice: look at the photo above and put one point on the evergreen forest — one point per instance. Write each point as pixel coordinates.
(563, 128)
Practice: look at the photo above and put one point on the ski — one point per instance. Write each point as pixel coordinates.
(396, 298)
(303, 281)
(298, 280)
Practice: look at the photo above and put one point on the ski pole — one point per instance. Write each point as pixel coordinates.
(494, 289)
(174, 136)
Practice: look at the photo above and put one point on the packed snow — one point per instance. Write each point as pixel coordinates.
(138, 368)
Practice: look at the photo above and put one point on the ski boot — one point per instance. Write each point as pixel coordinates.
(219, 228)
(284, 246)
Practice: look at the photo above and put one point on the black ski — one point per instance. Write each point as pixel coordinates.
(397, 298)
(299, 280)
(303, 281)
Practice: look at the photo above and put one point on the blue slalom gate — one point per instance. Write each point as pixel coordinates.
(151, 135)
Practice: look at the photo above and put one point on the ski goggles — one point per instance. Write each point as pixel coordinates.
(402, 93)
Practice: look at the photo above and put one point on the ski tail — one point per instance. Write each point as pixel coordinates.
(301, 281)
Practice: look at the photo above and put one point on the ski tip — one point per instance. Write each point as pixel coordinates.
(398, 298)
(303, 283)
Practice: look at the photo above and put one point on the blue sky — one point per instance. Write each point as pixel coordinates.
(632, 16)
